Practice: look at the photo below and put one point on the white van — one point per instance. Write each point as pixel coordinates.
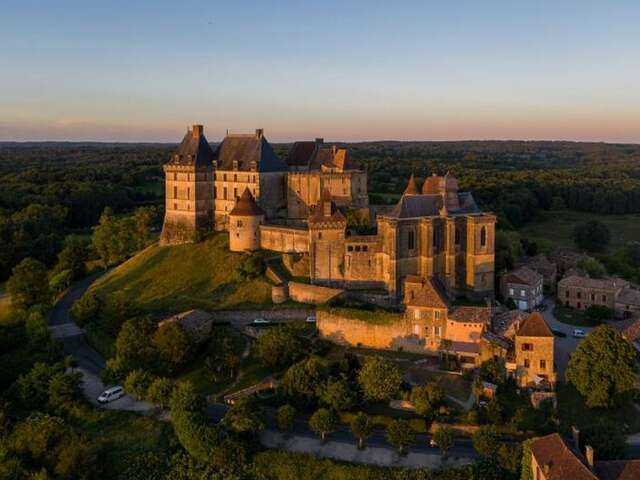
(111, 394)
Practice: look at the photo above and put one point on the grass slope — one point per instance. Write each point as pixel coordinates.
(557, 227)
(177, 278)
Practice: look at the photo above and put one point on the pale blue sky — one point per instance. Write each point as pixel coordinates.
(350, 70)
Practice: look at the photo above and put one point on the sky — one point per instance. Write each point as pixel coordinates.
(343, 70)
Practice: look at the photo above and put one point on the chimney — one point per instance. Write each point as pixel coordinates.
(575, 434)
(259, 132)
(196, 131)
(588, 453)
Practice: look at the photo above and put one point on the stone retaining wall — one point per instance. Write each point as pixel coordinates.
(314, 294)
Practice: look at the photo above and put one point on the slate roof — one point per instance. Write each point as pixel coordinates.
(424, 292)
(414, 206)
(301, 153)
(332, 157)
(553, 453)
(523, 276)
(470, 314)
(246, 149)
(618, 469)
(317, 213)
(246, 206)
(534, 326)
(194, 149)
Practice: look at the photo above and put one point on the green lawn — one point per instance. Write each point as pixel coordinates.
(572, 316)
(455, 385)
(177, 278)
(557, 227)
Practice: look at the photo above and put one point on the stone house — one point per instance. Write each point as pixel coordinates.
(553, 458)
(532, 360)
(581, 291)
(627, 303)
(541, 264)
(524, 286)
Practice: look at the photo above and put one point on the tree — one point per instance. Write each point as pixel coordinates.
(37, 330)
(486, 441)
(159, 392)
(323, 422)
(73, 257)
(285, 417)
(379, 379)
(77, 458)
(29, 284)
(338, 394)
(278, 347)
(443, 437)
(557, 203)
(603, 368)
(33, 388)
(144, 218)
(361, 427)
(427, 398)
(593, 267)
(632, 253)
(86, 308)
(64, 390)
(593, 236)
(606, 438)
(302, 379)
(250, 267)
(400, 434)
(244, 416)
(133, 349)
(137, 383)
(173, 344)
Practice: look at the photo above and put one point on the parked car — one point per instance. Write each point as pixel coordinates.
(310, 319)
(111, 394)
(578, 333)
(261, 321)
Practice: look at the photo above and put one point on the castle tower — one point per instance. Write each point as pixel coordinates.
(244, 224)
(327, 228)
(189, 179)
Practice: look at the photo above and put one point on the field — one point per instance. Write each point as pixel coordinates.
(557, 227)
(178, 278)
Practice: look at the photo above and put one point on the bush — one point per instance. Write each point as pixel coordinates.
(173, 344)
(86, 308)
(251, 267)
(285, 418)
(159, 392)
(379, 379)
(137, 383)
(278, 347)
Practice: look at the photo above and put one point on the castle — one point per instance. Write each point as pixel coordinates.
(301, 207)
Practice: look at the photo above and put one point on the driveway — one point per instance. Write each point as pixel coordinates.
(564, 346)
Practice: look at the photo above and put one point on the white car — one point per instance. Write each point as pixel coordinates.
(310, 319)
(261, 321)
(111, 394)
(578, 333)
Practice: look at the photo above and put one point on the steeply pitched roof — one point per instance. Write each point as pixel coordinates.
(534, 326)
(424, 292)
(194, 149)
(302, 152)
(618, 469)
(523, 276)
(415, 206)
(331, 158)
(412, 187)
(245, 149)
(246, 206)
(559, 461)
(319, 215)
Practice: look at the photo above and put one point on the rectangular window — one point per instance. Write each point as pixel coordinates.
(175, 177)
(522, 293)
(593, 297)
(579, 295)
(235, 193)
(357, 248)
(350, 248)
(239, 223)
(224, 193)
(604, 298)
(365, 248)
(436, 331)
(175, 192)
(526, 363)
(411, 240)
(567, 294)
(224, 177)
(511, 291)
(543, 364)
(436, 314)
(416, 314)
(527, 347)
(175, 206)
(416, 329)
(188, 193)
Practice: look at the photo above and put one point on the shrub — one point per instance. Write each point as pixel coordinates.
(285, 417)
(159, 392)
(137, 383)
(400, 435)
(379, 379)
(173, 344)
(278, 347)
(86, 308)
(323, 422)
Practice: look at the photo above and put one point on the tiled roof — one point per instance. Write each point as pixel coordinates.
(246, 206)
(412, 187)
(424, 292)
(194, 149)
(415, 206)
(587, 282)
(618, 469)
(523, 276)
(630, 329)
(497, 340)
(318, 213)
(301, 153)
(245, 149)
(629, 296)
(539, 262)
(534, 326)
(559, 461)
(332, 157)
(470, 314)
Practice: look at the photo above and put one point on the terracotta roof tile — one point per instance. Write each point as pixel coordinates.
(424, 292)
(587, 282)
(552, 453)
(534, 326)
(618, 469)
(523, 276)
(471, 314)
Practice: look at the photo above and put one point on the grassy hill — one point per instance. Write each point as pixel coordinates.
(177, 278)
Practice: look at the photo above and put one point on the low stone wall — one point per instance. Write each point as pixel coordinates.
(247, 316)
(314, 294)
(284, 239)
(395, 335)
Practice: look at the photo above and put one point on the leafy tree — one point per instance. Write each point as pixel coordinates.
(60, 281)
(64, 390)
(557, 203)
(86, 308)
(38, 436)
(244, 416)
(593, 236)
(144, 219)
(443, 437)
(278, 347)
(606, 438)
(338, 395)
(117, 308)
(133, 349)
(603, 368)
(73, 257)
(77, 459)
(302, 379)
(285, 417)
(427, 399)
(29, 284)
(632, 253)
(486, 441)
(323, 422)
(593, 267)
(33, 388)
(361, 427)
(159, 392)
(379, 379)
(37, 330)
(174, 345)
(137, 383)
(400, 434)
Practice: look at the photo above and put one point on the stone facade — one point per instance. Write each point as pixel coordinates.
(582, 292)
(533, 353)
(524, 286)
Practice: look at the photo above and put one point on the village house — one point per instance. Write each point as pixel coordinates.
(541, 264)
(552, 458)
(524, 286)
(581, 292)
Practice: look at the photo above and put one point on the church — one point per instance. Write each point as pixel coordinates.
(300, 206)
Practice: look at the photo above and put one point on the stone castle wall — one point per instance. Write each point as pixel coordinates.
(314, 294)
(284, 239)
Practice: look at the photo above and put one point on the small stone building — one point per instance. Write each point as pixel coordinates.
(244, 224)
(532, 362)
(541, 264)
(524, 286)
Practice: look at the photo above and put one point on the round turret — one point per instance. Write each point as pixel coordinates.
(244, 224)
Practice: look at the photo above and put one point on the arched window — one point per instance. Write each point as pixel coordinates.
(483, 237)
